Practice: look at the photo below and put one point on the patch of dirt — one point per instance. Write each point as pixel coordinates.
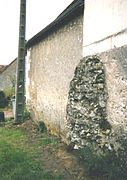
(56, 159)
(59, 160)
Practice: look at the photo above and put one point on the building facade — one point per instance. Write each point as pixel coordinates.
(105, 34)
(87, 98)
(51, 59)
(8, 76)
(97, 102)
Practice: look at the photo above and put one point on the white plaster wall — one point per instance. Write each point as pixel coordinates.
(105, 25)
(50, 68)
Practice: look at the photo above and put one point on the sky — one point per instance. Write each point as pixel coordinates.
(39, 13)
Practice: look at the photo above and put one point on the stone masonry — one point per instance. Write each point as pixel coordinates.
(96, 109)
(86, 109)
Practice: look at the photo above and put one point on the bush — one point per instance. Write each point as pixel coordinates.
(3, 100)
(9, 93)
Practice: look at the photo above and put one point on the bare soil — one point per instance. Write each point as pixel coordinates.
(56, 159)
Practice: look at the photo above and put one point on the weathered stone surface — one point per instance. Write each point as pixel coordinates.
(96, 109)
(115, 63)
(86, 108)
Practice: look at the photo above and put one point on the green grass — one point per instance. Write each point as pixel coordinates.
(19, 160)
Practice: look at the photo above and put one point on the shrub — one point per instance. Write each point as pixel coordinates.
(9, 93)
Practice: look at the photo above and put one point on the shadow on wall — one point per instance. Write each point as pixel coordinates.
(102, 149)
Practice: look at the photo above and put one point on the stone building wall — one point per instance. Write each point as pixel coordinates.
(97, 110)
(8, 76)
(97, 106)
(115, 63)
(94, 98)
(107, 38)
(50, 68)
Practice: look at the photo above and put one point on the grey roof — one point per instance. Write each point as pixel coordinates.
(2, 69)
(73, 10)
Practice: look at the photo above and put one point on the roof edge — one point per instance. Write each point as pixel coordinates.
(73, 10)
(6, 66)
